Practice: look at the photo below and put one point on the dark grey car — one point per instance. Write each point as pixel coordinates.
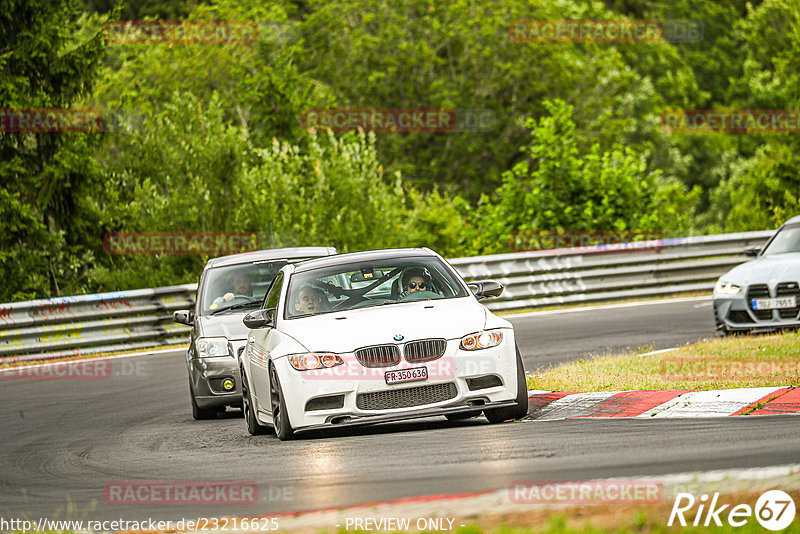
(229, 287)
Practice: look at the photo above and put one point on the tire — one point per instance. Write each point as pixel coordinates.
(280, 418)
(198, 413)
(518, 411)
(254, 427)
(461, 416)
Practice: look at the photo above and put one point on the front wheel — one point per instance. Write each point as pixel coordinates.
(198, 413)
(280, 419)
(520, 409)
(254, 427)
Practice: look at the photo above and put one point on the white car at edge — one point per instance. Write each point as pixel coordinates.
(377, 336)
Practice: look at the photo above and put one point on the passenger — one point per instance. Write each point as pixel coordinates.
(310, 300)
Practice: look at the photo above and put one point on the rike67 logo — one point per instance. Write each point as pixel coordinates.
(774, 510)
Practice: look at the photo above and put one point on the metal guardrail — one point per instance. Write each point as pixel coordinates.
(90, 324)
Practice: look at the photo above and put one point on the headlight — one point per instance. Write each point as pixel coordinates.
(726, 288)
(210, 347)
(482, 340)
(314, 360)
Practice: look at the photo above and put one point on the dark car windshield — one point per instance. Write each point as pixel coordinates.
(234, 287)
(370, 283)
(786, 241)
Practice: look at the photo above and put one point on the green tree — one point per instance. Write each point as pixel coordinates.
(49, 58)
(557, 187)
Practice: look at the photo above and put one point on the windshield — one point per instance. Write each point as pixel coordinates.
(238, 286)
(786, 241)
(378, 283)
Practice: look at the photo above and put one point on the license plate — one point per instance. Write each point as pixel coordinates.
(774, 304)
(407, 375)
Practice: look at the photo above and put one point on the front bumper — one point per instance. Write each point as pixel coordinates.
(207, 376)
(733, 313)
(387, 418)
(459, 381)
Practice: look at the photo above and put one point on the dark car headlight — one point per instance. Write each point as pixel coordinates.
(211, 347)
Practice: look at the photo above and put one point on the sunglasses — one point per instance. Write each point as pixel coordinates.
(413, 285)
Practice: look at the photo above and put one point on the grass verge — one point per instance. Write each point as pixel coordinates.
(732, 362)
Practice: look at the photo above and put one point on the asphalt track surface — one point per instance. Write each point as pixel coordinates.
(64, 440)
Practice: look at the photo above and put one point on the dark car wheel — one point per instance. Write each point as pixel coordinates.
(520, 409)
(254, 427)
(199, 413)
(283, 428)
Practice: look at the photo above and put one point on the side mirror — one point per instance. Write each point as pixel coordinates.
(752, 251)
(183, 317)
(484, 289)
(259, 319)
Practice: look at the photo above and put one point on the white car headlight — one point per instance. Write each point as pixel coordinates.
(481, 340)
(308, 361)
(210, 347)
(727, 288)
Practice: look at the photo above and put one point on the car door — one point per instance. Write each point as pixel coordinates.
(260, 343)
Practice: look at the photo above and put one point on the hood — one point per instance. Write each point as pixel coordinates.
(228, 325)
(766, 270)
(348, 330)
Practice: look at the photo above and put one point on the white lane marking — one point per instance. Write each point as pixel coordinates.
(512, 316)
(714, 403)
(572, 405)
(114, 357)
(703, 305)
(658, 352)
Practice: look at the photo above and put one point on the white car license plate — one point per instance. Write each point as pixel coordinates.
(407, 375)
(774, 304)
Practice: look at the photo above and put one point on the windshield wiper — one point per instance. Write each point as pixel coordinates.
(236, 306)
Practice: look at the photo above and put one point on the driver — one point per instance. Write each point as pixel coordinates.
(310, 300)
(241, 284)
(415, 279)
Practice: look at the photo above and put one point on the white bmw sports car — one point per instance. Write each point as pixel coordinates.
(377, 336)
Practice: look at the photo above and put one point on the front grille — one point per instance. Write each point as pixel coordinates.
(424, 350)
(378, 356)
(406, 397)
(788, 289)
(758, 291)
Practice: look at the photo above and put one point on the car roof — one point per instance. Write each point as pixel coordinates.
(366, 255)
(270, 254)
(795, 219)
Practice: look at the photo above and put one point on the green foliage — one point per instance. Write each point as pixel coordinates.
(558, 188)
(189, 170)
(212, 140)
(48, 59)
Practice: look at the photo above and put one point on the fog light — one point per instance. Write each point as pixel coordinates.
(228, 384)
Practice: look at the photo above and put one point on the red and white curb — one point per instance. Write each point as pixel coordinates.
(555, 405)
